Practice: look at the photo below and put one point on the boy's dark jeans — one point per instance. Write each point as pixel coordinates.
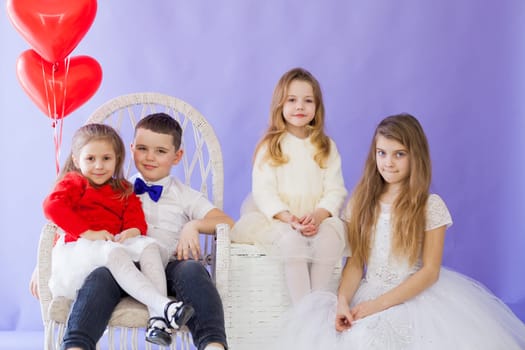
(187, 280)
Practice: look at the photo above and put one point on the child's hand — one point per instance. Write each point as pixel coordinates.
(305, 225)
(188, 243)
(308, 220)
(293, 221)
(343, 318)
(309, 230)
(309, 225)
(296, 225)
(98, 235)
(129, 233)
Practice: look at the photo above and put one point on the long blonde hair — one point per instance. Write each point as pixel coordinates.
(408, 209)
(277, 125)
(96, 132)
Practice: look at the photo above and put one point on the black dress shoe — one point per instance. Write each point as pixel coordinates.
(181, 316)
(158, 335)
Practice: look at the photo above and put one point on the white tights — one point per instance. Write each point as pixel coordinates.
(147, 285)
(309, 261)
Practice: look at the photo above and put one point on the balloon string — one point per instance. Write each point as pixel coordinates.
(58, 142)
(60, 117)
(64, 95)
(56, 137)
(46, 89)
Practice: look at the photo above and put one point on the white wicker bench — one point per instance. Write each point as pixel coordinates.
(257, 296)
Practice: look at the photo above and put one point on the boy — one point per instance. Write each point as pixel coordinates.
(175, 214)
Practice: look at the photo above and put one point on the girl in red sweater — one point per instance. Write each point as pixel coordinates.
(103, 224)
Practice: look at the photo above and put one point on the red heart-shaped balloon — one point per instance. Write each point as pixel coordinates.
(53, 28)
(58, 89)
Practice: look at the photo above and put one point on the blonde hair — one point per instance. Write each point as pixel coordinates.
(99, 132)
(408, 209)
(277, 125)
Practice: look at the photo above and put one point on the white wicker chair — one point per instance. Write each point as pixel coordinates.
(201, 167)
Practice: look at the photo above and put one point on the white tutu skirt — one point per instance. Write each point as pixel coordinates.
(455, 313)
(72, 262)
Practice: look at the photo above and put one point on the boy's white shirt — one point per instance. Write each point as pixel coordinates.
(177, 205)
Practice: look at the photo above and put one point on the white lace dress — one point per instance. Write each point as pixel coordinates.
(455, 313)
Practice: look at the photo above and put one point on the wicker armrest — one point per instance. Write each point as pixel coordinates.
(222, 259)
(45, 247)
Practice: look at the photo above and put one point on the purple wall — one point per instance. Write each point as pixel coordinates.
(456, 65)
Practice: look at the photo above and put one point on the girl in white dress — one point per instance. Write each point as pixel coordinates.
(297, 187)
(393, 293)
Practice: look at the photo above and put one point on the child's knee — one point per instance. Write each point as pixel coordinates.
(100, 275)
(151, 248)
(293, 244)
(188, 270)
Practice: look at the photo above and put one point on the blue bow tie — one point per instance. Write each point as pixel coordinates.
(154, 191)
